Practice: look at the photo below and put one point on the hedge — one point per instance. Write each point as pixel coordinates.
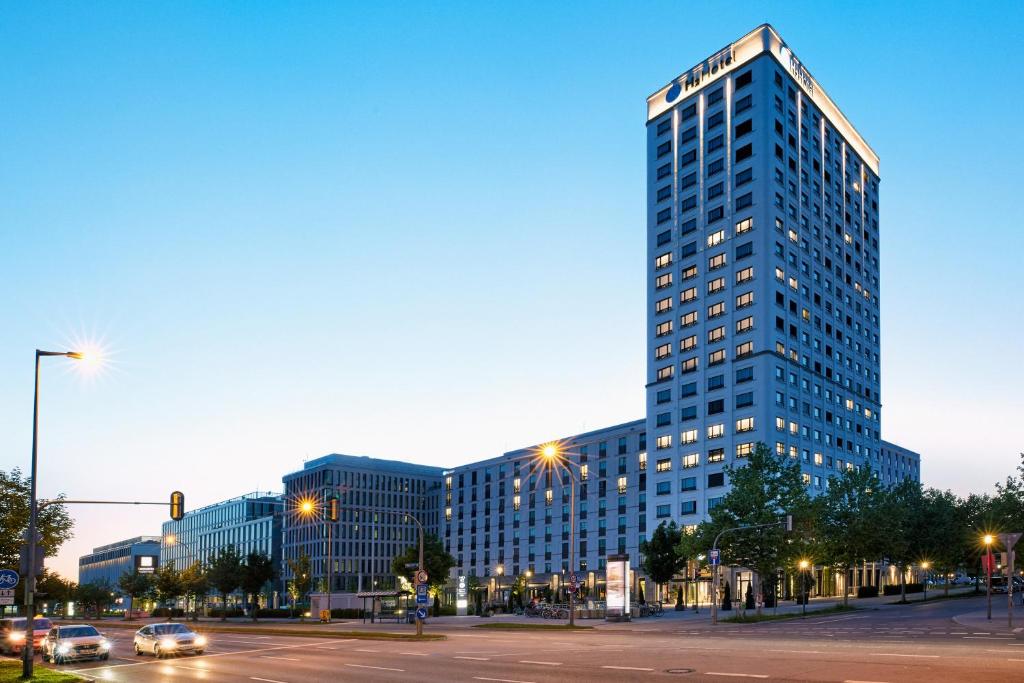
(166, 613)
(894, 589)
(233, 612)
(867, 591)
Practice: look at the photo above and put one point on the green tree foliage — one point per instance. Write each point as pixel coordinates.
(54, 588)
(54, 524)
(661, 559)
(436, 561)
(225, 575)
(901, 526)
(763, 491)
(96, 594)
(167, 586)
(134, 585)
(194, 585)
(302, 579)
(848, 517)
(257, 571)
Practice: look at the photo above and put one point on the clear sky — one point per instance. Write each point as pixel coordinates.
(417, 230)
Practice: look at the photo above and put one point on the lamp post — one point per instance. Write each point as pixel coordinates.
(499, 571)
(33, 520)
(924, 566)
(804, 564)
(987, 539)
(553, 456)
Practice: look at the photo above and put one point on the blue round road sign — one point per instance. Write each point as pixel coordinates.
(421, 613)
(8, 578)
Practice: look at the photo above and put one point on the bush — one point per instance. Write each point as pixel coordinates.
(168, 612)
(269, 613)
(894, 589)
(867, 591)
(231, 612)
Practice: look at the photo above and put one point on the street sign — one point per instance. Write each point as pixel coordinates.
(9, 578)
(7, 596)
(1010, 540)
(421, 613)
(713, 556)
(421, 594)
(421, 576)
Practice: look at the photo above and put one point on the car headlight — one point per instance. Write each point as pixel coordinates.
(168, 644)
(104, 644)
(17, 636)
(63, 649)
(200, 640)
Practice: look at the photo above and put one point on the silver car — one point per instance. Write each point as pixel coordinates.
(167, 640)
(68, 643)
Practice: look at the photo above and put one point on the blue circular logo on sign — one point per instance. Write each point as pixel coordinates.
(8, 578)
(673, 92)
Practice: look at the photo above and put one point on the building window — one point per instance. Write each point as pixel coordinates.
(663, 351)
(716, 285)
(716, 479)
(663, 328)
(716, 431)
(688, 484)
(745, 399)
(691, 460)
(745, 299)
(664, 441)
(716, 455)
(663, 511)
(716, 261)
(666, 372)
(663, 261)
(743, 450)
(688, 295)
(688, 507)
(663, 281)
(745, 424)
(689, 365)
(716, 357)
(715, 310)
(688, 343)
(663, 465)
(688, 437)
(622, 484)
(744, 349)
(642, 459)
(663, 488)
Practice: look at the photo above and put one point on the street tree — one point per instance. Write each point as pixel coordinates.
(95, 594)
(901, 528)
(134, 585)
(194, 586)
(436, 561)
(661, 558)
(54, 587)
(54, 522)
(167, 587)
(257, 571)
(763, 490)
(302, 579)
(847, 515)
(225, 575)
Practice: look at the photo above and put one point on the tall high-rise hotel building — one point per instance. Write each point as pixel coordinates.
(763, 289)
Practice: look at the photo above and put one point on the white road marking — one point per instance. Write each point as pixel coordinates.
(626, 668)
(851, 681)
(718, 673)
(499, 680)
(365, 650)
(197, 657)
(287, 659)
(895, 654)
(367, 666)
(799, 652)
(987, 638)
(415, 654)
(531, 661)
(477, 659)
(265, 680)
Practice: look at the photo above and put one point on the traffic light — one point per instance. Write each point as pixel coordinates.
(332, 510)
(177, 505)
(23, 567)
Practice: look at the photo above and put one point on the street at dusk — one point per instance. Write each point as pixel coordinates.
(514, 342)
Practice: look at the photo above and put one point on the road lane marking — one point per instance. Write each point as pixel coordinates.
(896, 654)
(265, 680)
(477, 659)
(287, 659)
(499, 680)
(364, 650)
(799, 652)
(626, 668)
(197, 658)
(718, 673)
(415, 654)
(367, 666)
(987, 638)
(852, 681)
(532, 661)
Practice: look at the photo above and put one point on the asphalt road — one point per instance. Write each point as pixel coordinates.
(903, 645)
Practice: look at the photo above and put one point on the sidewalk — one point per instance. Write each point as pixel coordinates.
(977, 621)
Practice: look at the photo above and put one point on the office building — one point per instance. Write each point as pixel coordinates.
(107, 563)
(762, 277)
(249, 523)
(375, 498)
(511, 515)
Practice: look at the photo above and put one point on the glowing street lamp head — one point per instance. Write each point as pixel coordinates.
(549, 451)
(925, 564)
(988, 539)
(804, 564)
(306, 506)
(170, 539)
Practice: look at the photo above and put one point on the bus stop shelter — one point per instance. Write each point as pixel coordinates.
(385, 605)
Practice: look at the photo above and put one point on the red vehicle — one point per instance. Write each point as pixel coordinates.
(12, 634)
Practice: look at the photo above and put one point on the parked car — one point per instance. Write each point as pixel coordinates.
(999, 584)
(12, 634)
(166, 640)
(68, 643)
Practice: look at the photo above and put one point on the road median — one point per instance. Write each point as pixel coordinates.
(297, 631)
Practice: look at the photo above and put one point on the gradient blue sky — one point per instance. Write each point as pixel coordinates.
(417, 230)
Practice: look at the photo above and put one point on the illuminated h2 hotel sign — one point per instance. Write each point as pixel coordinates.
(703, 71)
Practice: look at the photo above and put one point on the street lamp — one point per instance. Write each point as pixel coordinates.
(33, 513)
(804, 564)
(552, 456)
(924, 566)
(987, 539)
(500, 571)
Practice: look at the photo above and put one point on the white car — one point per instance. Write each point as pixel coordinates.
(166, 640)
(68, 643)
